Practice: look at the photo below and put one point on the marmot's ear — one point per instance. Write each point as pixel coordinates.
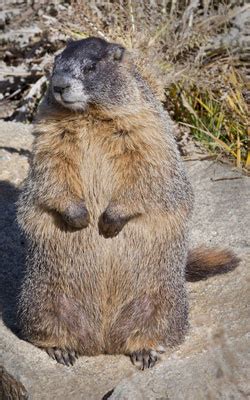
(116, 52)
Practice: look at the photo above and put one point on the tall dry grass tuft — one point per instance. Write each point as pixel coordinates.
(198, 53)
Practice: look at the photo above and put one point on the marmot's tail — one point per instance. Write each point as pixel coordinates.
(203, 262)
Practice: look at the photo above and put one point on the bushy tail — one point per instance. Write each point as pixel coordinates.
(203, 262)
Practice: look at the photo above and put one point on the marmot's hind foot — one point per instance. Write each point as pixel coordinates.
(144, 359)
(64, 357)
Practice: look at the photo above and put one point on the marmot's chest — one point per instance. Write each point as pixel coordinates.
(101, 152)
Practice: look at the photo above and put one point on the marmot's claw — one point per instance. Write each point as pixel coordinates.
(76, 215)
(64, 357)
(109, 226)
(144, 359)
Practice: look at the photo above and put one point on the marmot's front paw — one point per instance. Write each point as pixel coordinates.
(110, 225)
(76, 215)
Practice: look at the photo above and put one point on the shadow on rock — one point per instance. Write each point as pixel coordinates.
(12, 150)
(107, 395)
(11, 254)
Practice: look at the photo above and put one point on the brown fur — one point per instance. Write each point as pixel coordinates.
(120, 167)
(203, 263)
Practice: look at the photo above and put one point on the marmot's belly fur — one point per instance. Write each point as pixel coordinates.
(94, 295)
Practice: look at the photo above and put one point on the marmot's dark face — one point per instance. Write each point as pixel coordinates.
(91, 71)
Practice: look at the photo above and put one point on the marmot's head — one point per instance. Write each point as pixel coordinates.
(92, 71)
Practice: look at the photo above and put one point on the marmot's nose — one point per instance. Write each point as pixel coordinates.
(60, 89)
(60, 83)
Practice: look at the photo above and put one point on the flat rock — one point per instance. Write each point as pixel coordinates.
(214, 361)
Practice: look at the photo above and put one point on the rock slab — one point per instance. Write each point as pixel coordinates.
(214, 361)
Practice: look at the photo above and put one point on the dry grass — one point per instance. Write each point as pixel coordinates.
(204, 88)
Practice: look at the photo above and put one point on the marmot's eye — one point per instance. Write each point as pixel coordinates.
(90, 67)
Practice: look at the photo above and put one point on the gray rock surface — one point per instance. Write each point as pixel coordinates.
(214, 361)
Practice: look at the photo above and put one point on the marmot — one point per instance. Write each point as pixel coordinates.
(105, 211)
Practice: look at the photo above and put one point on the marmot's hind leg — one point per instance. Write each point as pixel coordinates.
(146, 326)
(54, 315)
(62, 328)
